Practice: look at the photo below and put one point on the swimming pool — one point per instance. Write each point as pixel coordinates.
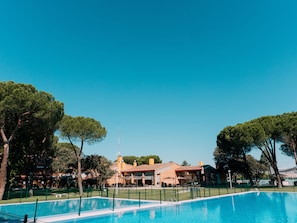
(270, 207)
(63, 207)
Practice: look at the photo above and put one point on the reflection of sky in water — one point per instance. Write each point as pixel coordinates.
(244, 208)
(152, 214)
(65, 206)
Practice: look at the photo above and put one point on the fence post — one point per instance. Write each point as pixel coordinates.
(25, 218)
(8, 193)
(46, 192)
(21, 195)
(113, 201)
(35, 210)
(160, 197)
(79, 208)
(27, 191)
(175, 194)
(139, 198)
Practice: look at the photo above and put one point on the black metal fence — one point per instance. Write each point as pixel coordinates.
(145, 193)
(168, 194)
(173, 194)
(25, 195)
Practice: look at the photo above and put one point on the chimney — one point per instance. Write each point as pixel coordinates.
(151, 161)
(120, 158)
(134, 163)
(119, 163)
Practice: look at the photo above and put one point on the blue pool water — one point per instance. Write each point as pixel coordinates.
(244, 208)
(50, 208)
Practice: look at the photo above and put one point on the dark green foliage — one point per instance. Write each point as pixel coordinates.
(130, 159)
(289, 135)
(264, 133)
(63, 158)
(234, 142)
(81, 130)
(98, 167)
(141, 160)
(28, 120)
(185, 163)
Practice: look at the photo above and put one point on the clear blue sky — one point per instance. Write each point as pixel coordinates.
(168, 75)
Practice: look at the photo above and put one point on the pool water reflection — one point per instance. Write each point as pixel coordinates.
(253, 207)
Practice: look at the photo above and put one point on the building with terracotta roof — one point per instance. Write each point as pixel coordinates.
(152, 174)
(202, 174)
(160, 174)
(118, 167)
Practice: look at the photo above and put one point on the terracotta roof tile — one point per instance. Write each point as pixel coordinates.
(188, 168)
(147, 168)
(114, 166)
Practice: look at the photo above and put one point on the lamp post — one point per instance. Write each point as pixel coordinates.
(117, 181)
(230, 179)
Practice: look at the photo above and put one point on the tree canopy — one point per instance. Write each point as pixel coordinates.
(63, 158)
(289, 136)
(28, 120)
(130, 159)
(185, 163)
(261, 133)
(235, 143)
(81, 130)
(142, 159)
(98, 167)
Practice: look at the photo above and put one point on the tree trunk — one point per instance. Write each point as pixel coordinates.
(3, 171)
(294, 152)
(278, 177)
(79, 178)
(275, 168)
(247, 170)
(295, 156)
